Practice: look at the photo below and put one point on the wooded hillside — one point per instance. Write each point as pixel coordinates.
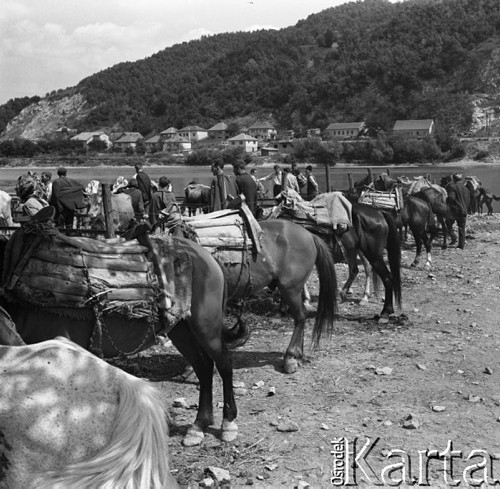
(373, 60)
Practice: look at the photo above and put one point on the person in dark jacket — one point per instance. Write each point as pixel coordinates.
(162, 199)
(222, 189)
(458, 202)
(312, 185)
(246, 185)
(144, 184)
(67, 196)
(132, 189)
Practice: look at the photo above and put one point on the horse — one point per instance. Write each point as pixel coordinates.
(200, 336)
(69, 419)
(416, 213)
(372, 231)
(121, 205)
(486, 198)
(197, 196)
(474, 186)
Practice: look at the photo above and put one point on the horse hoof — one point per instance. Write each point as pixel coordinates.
(291, 365)
(363, 302)
(229, 431)
(193, 437)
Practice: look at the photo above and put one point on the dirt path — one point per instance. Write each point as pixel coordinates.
(438, 363)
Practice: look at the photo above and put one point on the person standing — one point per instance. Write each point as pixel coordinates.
(301, 179)
(260, 188)
(222, 188)
(246, 185)
(289, 181)
(46, 185)
(277, 178)
(144, 184)
(162, 199)
(312, 186)
(132, 189)
(67, 196)
(458, 202)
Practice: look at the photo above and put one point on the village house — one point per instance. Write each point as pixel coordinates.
(64, 133)
(344, 130)
(88, 137)
(128, 140)
(154, 143)
(193, 133)
(417, 129)
(218, 132)
(262, 130)
(177, 144)
(169, 133)
(248, 143)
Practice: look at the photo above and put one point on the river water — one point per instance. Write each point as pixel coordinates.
(180, 176)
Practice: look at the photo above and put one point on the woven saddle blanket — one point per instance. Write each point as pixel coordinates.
(383, 199)
(331, 211)
(229, 229)
(51, 270)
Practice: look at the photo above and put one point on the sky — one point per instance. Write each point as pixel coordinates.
(47, 45)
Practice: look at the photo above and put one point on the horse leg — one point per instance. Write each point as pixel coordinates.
(384, 274)
(295, 350)
(353, 273)
(187, 344)
(368, 279)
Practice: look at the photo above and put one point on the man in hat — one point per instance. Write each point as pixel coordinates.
(458, 202)
(67, 196)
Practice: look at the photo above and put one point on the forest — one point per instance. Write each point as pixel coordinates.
(368, 60)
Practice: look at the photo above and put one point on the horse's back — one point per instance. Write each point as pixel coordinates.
(61, 406)
(57, 407)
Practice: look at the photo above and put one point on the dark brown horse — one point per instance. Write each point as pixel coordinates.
(201, 337)
(486, 198)
(372, 232)
(197, 196)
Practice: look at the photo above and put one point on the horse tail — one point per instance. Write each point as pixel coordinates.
(137, 454)
(394, 256)
(327, 306)
(495, 197)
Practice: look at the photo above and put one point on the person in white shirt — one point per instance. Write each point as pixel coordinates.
(277, 177)
(290, 181)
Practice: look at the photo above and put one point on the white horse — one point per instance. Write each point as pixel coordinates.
(69, 419)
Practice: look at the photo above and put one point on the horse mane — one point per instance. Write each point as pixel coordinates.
(137, 454)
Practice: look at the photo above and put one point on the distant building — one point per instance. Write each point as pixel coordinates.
(262, 130)
(218, 132)
(414, 128)
(154, 143)
(169, 133)
(344, 130)
(87, 137)
(64, 133)
(177, 144)
(128, 140)
(248, 143)
(314, 132)
(193, 133)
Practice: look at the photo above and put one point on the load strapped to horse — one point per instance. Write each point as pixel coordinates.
(82, 277)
